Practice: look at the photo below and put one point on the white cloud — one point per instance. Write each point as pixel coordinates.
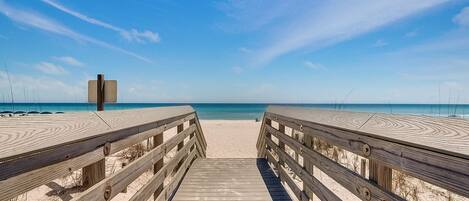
(316, 24)
(462, 18)
(28, 88)
(237, 70)
(69, 60)
(50, 68)
(140, 37)
(245, 50)
(132, 35)
(43, 23)
(380, 43)
(411, 34)
(312, 65)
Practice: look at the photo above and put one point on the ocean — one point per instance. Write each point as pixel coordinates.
(235, 111)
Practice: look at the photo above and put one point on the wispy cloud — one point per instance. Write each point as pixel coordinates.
(312, 65)
(245, 50)
(50, 68)
(132, 35)
(37, 88)
(462, 18)
(70, 61)
(237, 70)
(380, 43)
(411, 34)
(317, 24)
(38, 21)
(3, 37)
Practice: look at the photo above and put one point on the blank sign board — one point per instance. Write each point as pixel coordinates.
(110, 91)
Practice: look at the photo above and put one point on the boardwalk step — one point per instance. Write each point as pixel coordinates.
(231, 179)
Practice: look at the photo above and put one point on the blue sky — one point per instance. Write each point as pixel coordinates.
(394, 51)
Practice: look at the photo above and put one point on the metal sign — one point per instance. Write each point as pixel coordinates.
(110, 91)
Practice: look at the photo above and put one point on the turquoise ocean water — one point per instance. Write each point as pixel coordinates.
(248, 111)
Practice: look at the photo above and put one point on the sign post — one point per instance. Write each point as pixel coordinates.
(99, 92)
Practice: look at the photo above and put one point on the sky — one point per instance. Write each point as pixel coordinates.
(246, 51)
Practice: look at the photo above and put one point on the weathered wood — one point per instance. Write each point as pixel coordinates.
(93, 173)
(30, 180)
(32, 142)
(281, 128)
(157, 180)
(116, 182)
(157, 141)
(201, 137)
(443, 135)
(307, 164)
(363, 167)
(380, 174)
(350, 180)
(192, 122)
(17, 185)
(180, 128)
(96, 172)
(430, 166)
(268, 122)
(318, 188)
(260, 145)
(134, 139)
(300, 195)
(169, 190)
(226, 179)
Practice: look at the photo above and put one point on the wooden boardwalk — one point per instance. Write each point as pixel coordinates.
(231, 179)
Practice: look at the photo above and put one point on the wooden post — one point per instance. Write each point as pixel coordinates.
(180, 128)
(297, 137)
(100, 91)
(308, 165)
(267, 134)
(157, 141)
(363, 167)
(192, 122)
(380, 174)
(96, 172)
(281, 144)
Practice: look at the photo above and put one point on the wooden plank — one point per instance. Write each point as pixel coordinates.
(157, 141)
(321, 191)
(381, 175)
(253, 180)
(14, 186)
(260, 145)
(342, 175)
(32, 142)
(157, 180)
(134, 139)
(201, 135)
(93, 173)
(300, 195)
(17, 185)
(169, 190)
(180, 128)
(118, 181)
(307, 164)
(444, 135)
(427, 165)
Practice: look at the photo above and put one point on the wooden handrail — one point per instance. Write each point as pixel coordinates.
(377, 137)
(113, 132)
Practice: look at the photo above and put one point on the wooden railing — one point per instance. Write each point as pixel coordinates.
(435, 150)
(35, 150)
